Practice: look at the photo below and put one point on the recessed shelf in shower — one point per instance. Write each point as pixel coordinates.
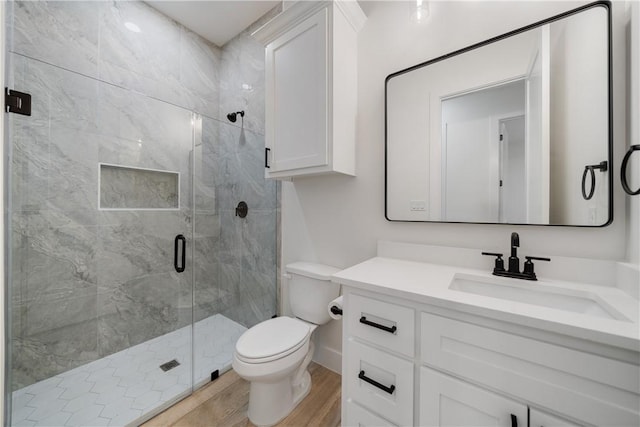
(129, 188)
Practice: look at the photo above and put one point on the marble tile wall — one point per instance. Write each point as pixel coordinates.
(164, 60)
(242, 250)
(85, 282)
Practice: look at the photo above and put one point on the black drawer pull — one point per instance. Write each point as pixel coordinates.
(391, 330)
(375, 383)
(266, 157)
(514, 421)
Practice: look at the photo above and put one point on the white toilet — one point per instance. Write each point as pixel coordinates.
(274, 355)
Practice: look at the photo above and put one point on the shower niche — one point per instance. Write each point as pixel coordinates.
(124, 187)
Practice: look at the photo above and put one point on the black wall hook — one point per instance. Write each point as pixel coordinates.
(623, 171)
(603, 167)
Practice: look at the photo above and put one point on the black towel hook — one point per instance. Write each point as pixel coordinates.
(623, 171)
(602, 166)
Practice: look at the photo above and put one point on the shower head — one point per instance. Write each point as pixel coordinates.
(233, 116)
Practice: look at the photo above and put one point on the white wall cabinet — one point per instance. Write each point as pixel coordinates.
(432, 366)
(311, 88)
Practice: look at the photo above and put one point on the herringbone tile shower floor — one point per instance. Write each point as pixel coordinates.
(124, 387)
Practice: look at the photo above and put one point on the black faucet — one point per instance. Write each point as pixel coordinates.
(514, 262)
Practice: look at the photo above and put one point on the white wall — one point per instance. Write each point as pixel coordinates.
(338, 220)
(577, 130)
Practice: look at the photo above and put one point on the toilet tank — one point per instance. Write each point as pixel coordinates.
(311, 291)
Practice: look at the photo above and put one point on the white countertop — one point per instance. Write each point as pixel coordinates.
(429, 283)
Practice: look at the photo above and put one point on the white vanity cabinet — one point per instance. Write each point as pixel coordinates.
(378, 374)
(311, 88)
(539, 418)
(451, 367)
(448, 401)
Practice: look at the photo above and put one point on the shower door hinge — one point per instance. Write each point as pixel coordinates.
(17, 102)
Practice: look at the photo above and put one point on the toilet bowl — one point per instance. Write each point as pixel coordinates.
(274, 355)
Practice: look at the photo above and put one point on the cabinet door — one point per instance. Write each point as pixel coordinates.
(538, 418)
(447, 401)
(296, 96)
(356, 416)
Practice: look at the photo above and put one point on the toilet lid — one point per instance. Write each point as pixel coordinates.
(274, 337)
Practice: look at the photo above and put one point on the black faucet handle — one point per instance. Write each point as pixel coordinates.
(528, 266)
(537, 258)
(499, 265)
(492, 254)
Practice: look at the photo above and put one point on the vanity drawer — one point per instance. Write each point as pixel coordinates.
(356, 415)
(591, 388)
(382, 323)
(380, 382)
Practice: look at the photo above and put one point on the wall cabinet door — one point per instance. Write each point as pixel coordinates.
(296, 96)
(447, 401)
(538, 418)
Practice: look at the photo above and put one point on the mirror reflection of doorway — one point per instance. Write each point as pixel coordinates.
(512, 186)
(483, 178)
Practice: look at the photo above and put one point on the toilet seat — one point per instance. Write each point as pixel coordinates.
(272, 339)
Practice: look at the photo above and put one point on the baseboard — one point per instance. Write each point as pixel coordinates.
(329, 358)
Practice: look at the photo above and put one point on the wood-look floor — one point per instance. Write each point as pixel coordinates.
(224, 403)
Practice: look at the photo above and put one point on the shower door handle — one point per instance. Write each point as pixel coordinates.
(176, 248)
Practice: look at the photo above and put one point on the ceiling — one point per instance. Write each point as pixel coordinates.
(216, 21)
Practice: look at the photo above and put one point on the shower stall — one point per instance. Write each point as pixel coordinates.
(129, 274)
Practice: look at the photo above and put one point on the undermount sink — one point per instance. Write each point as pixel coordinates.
(572, 300)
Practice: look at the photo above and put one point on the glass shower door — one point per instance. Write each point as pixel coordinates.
(235, 255)
(100, 217)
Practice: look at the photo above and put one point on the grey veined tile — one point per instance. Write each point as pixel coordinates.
(70, 99)
(137, 310)
(54, 262)
(61, 33)
(129, 115)
(41, 356)
(242, 80)
(199, 74)
(140, 46)
(135, 244)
